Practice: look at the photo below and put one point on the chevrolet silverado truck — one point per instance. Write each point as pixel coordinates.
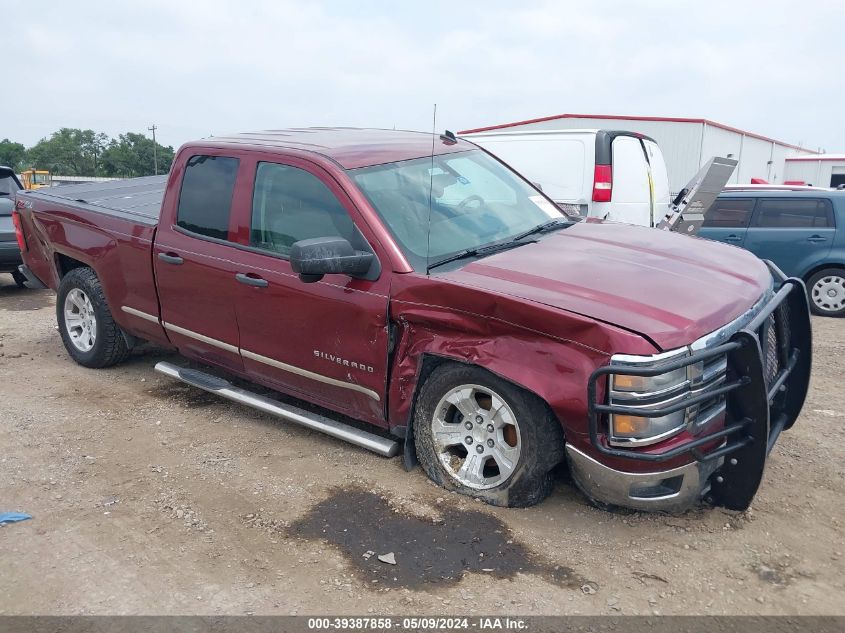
(415, 283)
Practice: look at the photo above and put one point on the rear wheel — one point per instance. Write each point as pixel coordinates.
(827, 292)
(87, 328)
(481, 436)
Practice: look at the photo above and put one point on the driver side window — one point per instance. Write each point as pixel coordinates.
(290, 204)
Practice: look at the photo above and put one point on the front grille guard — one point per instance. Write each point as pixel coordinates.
(756, 413)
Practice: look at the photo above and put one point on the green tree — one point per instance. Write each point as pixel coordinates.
(70, 152)
(12, 154)
(131, 155)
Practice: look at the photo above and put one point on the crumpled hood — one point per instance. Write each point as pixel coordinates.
(668, 287)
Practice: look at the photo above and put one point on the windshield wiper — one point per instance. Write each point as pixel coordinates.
(542, 228)
(478, 252)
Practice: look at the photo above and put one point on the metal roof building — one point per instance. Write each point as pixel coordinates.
(822, 170)
(686, 143)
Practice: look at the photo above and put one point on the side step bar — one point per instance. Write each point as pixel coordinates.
(382, 445)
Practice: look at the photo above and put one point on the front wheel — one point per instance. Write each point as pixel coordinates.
(482, 436)
(87, 328)
(827, 292)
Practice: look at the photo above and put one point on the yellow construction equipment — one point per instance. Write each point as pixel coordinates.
(36, 178)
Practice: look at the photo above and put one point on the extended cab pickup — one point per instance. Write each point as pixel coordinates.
(416, 284)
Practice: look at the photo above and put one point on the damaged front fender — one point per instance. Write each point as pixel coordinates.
(544, 350)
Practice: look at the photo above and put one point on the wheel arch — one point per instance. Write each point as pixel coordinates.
(546, 351)
(428, 363)
(112, 344)
(538, 437)
(431, 361)
(820, 267)
(65, 263)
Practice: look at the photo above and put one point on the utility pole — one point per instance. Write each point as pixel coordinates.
(155, 148)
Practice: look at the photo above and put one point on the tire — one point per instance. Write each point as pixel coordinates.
(19, 278)
(826, 291)
(513, 449)
(92, 338)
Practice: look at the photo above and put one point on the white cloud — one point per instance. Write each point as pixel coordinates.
(216, 66)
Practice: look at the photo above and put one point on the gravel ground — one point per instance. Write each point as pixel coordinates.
(150, 497)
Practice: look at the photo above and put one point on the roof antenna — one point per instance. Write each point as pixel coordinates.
(430, 187)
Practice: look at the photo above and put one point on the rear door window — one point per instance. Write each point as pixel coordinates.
(733, 213)
(205, 201)
(791, 213)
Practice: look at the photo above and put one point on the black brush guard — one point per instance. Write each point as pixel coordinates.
(764, 393)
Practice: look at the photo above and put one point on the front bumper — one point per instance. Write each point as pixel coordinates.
(768, 358)
(670, 490)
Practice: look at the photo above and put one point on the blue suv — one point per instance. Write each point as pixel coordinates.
(801, 231)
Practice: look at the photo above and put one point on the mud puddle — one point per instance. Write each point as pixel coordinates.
(362, 526)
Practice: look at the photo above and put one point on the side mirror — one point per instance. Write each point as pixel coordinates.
(311, 259)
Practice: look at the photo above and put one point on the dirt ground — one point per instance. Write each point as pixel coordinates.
(150, 497)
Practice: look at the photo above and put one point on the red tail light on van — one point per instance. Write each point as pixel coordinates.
(602, 183)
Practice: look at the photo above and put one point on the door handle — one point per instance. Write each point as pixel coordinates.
(816, 238)
(733, 238)
(170, 258)
(251, 280)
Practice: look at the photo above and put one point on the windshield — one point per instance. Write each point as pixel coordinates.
(475, 201)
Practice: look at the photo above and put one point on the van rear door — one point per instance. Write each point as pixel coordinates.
(659, 180)
(557, 162)
(631, 195)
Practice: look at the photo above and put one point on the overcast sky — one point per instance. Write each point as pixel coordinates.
(196, 68)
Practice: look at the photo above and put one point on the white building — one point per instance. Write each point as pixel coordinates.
(686, 143)
(822, 170)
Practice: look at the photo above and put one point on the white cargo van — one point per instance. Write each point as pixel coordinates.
(609, 174)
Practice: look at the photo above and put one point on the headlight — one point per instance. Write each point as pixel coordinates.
(647, 394)
(632, 427)
(644, 386)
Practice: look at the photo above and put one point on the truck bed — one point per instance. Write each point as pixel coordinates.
(109, 226)
(134, 199)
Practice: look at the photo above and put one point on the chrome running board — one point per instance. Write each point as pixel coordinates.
(382, 445)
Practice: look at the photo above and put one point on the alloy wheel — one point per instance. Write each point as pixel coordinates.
(80, 320)
(476, 436)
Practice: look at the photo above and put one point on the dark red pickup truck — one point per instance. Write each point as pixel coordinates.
(419, 285)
